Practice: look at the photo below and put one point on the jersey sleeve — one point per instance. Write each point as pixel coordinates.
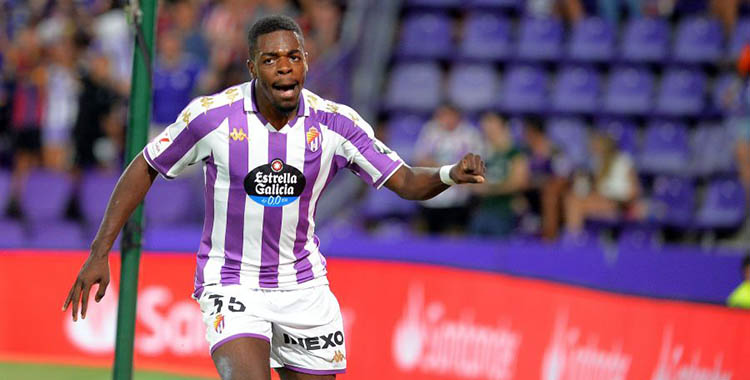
(177, 146)
(369, 158)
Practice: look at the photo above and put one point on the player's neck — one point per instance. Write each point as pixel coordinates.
(277, 118)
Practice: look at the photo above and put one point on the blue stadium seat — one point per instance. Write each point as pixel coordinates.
(576, 89)
(638, 238)
(592, 40)
(166, 200)
(182, 238)
(487, 36)
(723, 206)
(434, 3)
(12, 234)
(739, 38)
(473, 87)
(426, 35)
(571, 136)
(506, 4)
(58, 235)
(379, 205)
(4, 189)
(629, 91)
(414, 87)
(524, 90)
(681, 93)
(673, 201)
(698, 40)
(93, 195)
(623, 131)
(725, 95)
(645, 40)
(45, 196)
(711, 150)
(403, 131)
(540, 39)
(665, 149)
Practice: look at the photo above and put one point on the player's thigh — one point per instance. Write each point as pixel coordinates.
(243, 359)
(287, 374)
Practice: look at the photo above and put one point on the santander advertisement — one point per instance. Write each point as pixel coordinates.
(402, 321)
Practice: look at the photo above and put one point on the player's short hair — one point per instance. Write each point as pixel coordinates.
(270, 24)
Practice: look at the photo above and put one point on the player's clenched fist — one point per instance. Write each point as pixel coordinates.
(469, 170)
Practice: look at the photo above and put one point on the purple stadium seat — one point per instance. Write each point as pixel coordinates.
(645, 40)
(698, 40)
(711, 150)
(419, 28)
(58, 235)
(524, 90)
(11, 234)
(725, 94)
(183, 238)
(629, 91)
(571, 135)
(723, 206)
(637, 238)
(473, 87)
(540, 39)
(434, 3)
(172, 203)
(486, 36)
(665, 149)
(740, 37)
(96, 188)
(45, 196)
(403, 131)
(592, 41)
(507, 4)
(385, 204)
(577, 89)
(673, 201)
(414, 87)
(681, 93)
(4, 189)
(623, 131)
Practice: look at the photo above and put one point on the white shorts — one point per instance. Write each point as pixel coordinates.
(304, 326)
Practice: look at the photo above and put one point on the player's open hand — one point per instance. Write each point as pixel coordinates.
(469, 170)
(94, 271)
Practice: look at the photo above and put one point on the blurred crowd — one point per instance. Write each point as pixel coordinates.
(65, 70)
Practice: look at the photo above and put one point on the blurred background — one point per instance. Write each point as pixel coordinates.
(616, 132)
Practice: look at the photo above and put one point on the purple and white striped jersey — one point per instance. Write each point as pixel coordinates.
(262, 186)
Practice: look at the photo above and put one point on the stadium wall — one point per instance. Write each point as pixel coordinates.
(402, 321)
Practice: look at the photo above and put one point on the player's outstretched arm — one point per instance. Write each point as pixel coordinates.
(129, 192)
(424, 183)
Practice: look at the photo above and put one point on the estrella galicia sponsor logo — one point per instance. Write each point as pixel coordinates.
(313, 343)
(275, 184)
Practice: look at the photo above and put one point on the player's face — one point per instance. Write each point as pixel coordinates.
(280, 66)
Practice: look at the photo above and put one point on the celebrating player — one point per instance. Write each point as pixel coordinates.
(269, 148)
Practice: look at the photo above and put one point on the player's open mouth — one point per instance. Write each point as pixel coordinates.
(285, 89)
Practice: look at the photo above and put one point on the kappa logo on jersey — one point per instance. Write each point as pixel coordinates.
(238, 134)
(338, 357)
(317, 342)
(219, 323)
(275, 184)
(313, 139)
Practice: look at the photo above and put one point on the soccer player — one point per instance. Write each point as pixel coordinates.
(269, 148)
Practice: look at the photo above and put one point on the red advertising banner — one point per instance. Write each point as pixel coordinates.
(402, 321)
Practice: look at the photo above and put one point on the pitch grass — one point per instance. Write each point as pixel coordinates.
(29, 371)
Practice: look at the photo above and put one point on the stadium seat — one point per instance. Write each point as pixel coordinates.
(487, 36)
(414, 87)
(637, 238)
(507, 4)
(540, 39)
(426, 35)
(681, 93)
(725, 94)
(576, 89)
(93, 195)
(182, 238)
(58, 235)
(629, 91)
(4, 189)
(473, 87)
(403, 131)
(592, 40)
(379, 205)
(698, 40)
(739, 38)
(434, 3)
(711, 150)
(571, 136)
(45, 196)
(11, 234)
(645, 40)
(665, 149)
(673, 201)
(166, 202)
(723, 206)
(524, 90)
(623, 131)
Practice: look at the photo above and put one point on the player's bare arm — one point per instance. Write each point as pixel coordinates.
(129, 192)
(422, 183)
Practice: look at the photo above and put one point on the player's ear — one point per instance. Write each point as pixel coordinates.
(251, 68)
(307, 56)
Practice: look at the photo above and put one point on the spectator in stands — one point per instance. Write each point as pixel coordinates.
(726, 11)
(610, 191)
(324, 19)
(570, 10)
(506, 176)
(611, 10)
(740, 297)
(184, 19)
(737, 121)
(176, 75)
(550, 172)
(445, 139)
